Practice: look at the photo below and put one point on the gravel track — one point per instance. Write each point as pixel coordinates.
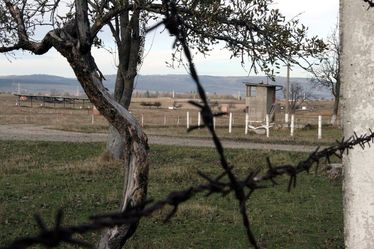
(43, 133)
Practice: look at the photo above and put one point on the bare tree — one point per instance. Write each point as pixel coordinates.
(326, 74)
(297, 96)
(249, 29)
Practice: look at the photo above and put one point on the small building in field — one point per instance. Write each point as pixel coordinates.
(260, 100)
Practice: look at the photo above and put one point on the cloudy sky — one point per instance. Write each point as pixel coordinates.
(319, 15)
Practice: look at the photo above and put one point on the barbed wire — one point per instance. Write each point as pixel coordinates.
(370, 2)
(225, 183)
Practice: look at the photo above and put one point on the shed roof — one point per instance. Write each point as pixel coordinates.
(262, 84)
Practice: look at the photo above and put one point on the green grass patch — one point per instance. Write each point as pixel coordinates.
(41, 177)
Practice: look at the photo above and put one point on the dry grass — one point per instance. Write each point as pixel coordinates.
(162, 121)
(75, 118)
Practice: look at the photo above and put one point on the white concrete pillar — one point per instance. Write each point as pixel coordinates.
(246, 123)
(198, 118)
(357, 81)
(267, 125)
(292, 124)
(188, 120)
(230, 122)
(319, 127)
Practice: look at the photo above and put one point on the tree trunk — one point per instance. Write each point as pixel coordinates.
(115, 238)
(334, 113)
(120, 146)
(128, 40)
(115, 144)
(135, 149)
(336, 103)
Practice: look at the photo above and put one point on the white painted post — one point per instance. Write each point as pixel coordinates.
(199, 119)
(292, 124)
(319, 127)
(246, 123)
(356, 29)
(142, 120)
(230, 122)
(214, 123)
(286, 118)
(267, 125)
(188, 120)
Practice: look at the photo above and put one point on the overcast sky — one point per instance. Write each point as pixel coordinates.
(319, 15)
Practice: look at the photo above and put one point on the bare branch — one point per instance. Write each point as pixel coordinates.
(83, 25)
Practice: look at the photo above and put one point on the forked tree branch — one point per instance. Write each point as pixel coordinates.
(23, 39)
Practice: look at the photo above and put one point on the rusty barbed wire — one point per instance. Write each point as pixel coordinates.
(242, 188)
(370, 2)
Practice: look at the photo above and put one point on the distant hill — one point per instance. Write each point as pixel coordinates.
(39, 83)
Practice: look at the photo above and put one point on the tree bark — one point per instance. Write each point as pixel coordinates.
(336, 103)
(127, 36)
(135, 149)
(119, 145)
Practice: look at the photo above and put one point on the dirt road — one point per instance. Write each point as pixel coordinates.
(42, 133)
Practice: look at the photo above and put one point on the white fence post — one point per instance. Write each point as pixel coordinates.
(267, 125)
(198, 119)
(319, 127)
(188, 120)
(246, 123)
(230, 122)
(142, 120)
(214, 123)
(286, 118)
(292, 124)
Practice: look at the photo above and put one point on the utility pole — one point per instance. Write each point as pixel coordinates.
(356, 27)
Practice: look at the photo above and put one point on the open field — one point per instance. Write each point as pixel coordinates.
(40, 177)
(162, 121)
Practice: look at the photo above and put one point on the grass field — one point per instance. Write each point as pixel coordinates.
(41, 177)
